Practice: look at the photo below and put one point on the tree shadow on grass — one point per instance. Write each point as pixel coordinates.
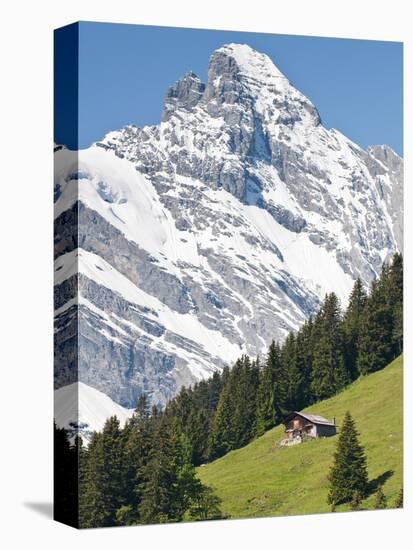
(375, 483)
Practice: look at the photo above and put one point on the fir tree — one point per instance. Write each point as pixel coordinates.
(112, 445)
(215, 384)
(395, 296)
(244, 402)
(290, 376)
(142, 407)
(304, 362)
(222, 437)
(169, 478)
(268, 413)
(102, 479)
(137, 438)
(349, 471)
(295, 373)
(206, 505)
(159, 477)
(199, 425)
(329, 373)
(234, 420)
(91, 484)
(376, 328)
(351, 326)
(187, 484)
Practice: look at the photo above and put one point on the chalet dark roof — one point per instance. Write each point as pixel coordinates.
(313, 418)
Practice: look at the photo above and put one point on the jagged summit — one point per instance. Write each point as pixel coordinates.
(214, 232)
(246, 81)
(184, 94)
(249, 61)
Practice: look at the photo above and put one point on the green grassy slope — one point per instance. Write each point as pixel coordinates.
(262, 479)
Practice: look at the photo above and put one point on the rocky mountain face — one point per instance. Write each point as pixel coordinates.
(182, 245)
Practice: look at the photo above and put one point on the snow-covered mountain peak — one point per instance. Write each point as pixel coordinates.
(215, 231)
(243, 85)
(249, 80)
(249, 61)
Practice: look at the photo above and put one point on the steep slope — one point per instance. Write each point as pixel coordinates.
(263, 479)
(212, 233)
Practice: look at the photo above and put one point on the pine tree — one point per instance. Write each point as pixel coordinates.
(196, 413)
(351, 326)
(169, 484)
(290, 376)
(234, 421)
(142, 407)
(244, 402)
(91, 483)
(295, 373)
(349, 471)
(397, 335)
(206, 505)
(304, 362)
(102, 479)
(182, 408)
(215, 384)
(268, 413)
(395, 296)
(159, 477)
(329, 373)
(222, 437)
(199, 425)
(380, 502)
(376, 328)
(137, 437)
(279, 387)
(187, 484)
(112, 444)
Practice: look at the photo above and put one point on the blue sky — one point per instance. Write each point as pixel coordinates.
(125, 70)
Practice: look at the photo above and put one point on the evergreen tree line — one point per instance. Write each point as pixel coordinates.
(141, 473)
(330, 350)
(145, 472)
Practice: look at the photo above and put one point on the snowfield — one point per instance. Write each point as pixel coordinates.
(79, 405)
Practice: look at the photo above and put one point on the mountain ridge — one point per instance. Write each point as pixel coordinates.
(232, 218)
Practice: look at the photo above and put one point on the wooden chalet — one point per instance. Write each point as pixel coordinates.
(299, 425)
